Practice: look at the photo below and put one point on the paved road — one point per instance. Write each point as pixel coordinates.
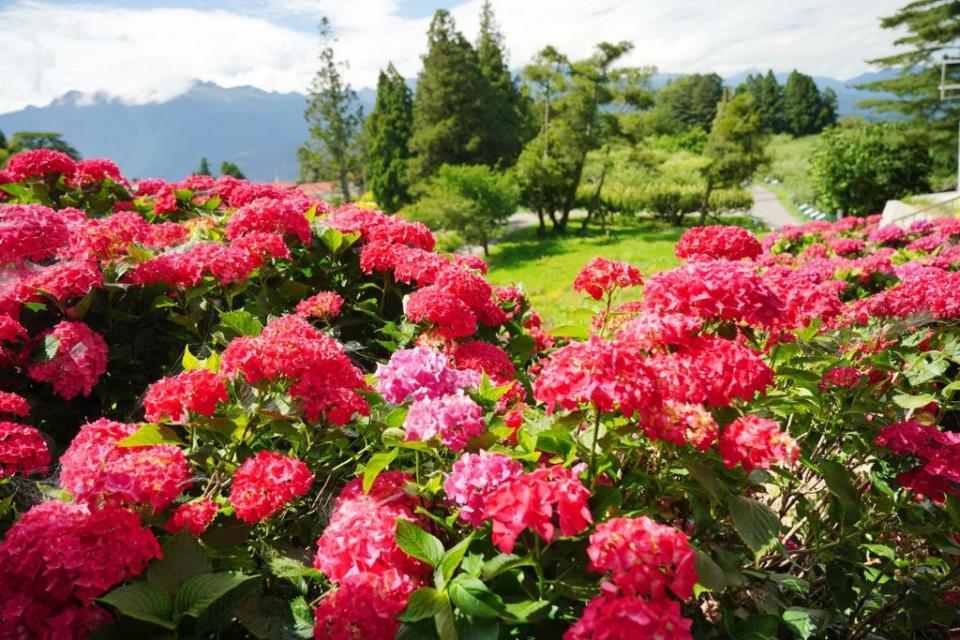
(768, 209)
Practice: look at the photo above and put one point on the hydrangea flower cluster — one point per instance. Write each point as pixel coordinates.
(22, 450)
(325, 305)
(420, 373)
(77, 363)
(601, 277)
(265, 483)
(937, 450)
(175, 397)
(96, 470)
(473, 477)
(453, 419)
(58, 558)
(718, 241)
(193, 516)
(755, 442)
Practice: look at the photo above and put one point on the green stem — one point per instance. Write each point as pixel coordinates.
(593, 444)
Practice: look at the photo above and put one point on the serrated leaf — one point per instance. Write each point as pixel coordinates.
(838, 481)
(190, 361)
(241, 322)
(419, 544)
(913, 401)
(183, 558)
(378, 462)
(756, 524)
(880, 550)
(805, 622)
(199, 592)
(502, 563)
(473, 597)
(51, 344)
(709, 573)
(143, 601)
(444, 621)
(571, 331)
(425, 602)
(451, 559)
(149, 434)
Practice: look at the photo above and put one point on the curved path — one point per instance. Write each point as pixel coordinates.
(767, 209)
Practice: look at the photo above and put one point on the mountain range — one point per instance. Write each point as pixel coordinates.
(258, 130)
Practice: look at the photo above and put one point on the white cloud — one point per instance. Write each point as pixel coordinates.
(143, 55)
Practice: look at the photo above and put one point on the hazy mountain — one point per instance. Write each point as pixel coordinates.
(258, 130)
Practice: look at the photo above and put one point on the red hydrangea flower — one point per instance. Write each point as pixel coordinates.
(454, 419)
(924, 441)
(39, 163)
(79, 361)
(718, 241)
(486, 358)
(470, 262)
(164, 198)
(10, 329)
(449, 314)
(682, 423)
(608, 617)
(608, 374)
(527, 502)
(22, 450)
(356, 611)
(890, 234)
(756, 443)
(95, 470)
(841, 377)
(711, 371)
(847, 246)
(324, 305)
(95, 171)
(110, 237)
(58, 558)
(265, 483)
(602, 276)
(374, 225)
(194, 516)
(643, 558)
(934, 293)
(654, 332)
(474, 291)
(283, 217)
(714, 290)
(473, 477)
(13, 404)
(198, 391)
(62, 281)
(30, 232)
(359, 545)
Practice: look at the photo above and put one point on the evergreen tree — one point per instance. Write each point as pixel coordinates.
(828, 109)
(448, 108)
(504, 106)
(203, 169)
(802, 105)
(26, 140)
(927, 31)
(388, 129)
(688, 102)
(335, 119)
(3, 141)
(768, 96)
(227, 168)
(734, 149)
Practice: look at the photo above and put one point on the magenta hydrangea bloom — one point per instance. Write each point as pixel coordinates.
(454, 419)
(420, 373)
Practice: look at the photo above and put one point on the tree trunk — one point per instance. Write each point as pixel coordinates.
(595, 198)
(486, 246)
(345, 186)
(706, 203)
(542, 229)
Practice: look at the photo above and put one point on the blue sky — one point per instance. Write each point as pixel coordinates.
(149, 50)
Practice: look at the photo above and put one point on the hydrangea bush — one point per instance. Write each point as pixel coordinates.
(230, 410)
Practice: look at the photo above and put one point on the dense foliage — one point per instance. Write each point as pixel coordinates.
(277, 419)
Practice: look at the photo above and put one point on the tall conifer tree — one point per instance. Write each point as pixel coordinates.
(504, 105)
(388, 131)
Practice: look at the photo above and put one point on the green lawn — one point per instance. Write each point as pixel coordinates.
(546, 267)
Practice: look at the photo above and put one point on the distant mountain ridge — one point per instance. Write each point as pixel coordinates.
(258, 130)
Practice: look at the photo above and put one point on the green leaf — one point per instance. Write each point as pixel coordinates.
(332, 239)
(756, 524)
(149, 434)
(142, 601)
(378, 462)
(913, 402)
(524, 610)
(503, 563)
(51, 344)
(571, 331)
(445, 622)
(880, 550)
(451, 559)
(838, 481)
(190, 361)
(419, 544)
(805, 622)
(201, 591)
(425, 602)
(473, 597)
(183, 558)
(709, 573)
(396, 418)
(558, 441)
(242, 322)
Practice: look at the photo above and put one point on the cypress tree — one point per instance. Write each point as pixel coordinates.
(802, 104)
(227, 168)
(504, 105)
(203, 169)
(448, 108)
(388, 130)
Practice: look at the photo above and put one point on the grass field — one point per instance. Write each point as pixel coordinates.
(546, 267)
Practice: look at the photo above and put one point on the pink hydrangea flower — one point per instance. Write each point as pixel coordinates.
(420, 373)
(473, 477)
(454, 419)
